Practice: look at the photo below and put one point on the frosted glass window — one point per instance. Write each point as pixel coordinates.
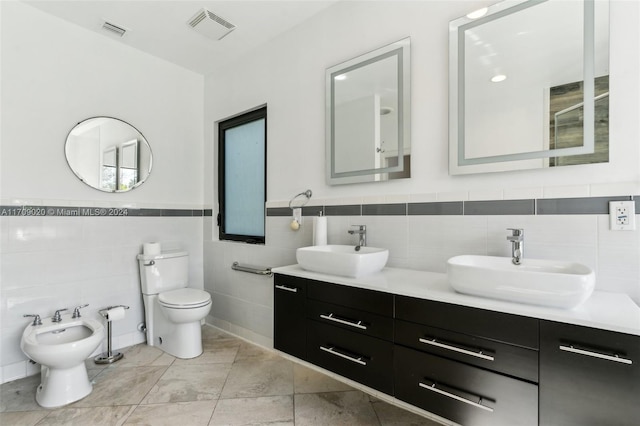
(242, 175)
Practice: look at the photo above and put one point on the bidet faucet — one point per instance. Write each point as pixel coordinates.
(56, 316)
(362, 232)
(76, 310)
(517, 244)
(36, 319)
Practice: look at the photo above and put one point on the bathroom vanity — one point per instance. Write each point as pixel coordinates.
(471, 360)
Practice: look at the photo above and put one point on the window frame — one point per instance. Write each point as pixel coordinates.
(224, 125)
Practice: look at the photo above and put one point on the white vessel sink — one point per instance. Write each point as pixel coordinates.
(535, 281)
(342, 260)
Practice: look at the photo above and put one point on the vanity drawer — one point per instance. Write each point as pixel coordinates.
(462, 393)
(351, 319)
(357, 298)
(507, 328)
(365, 359)
(508, 359)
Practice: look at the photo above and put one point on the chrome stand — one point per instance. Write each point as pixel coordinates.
(108, 357)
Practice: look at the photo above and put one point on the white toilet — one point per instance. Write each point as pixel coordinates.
(172, 311)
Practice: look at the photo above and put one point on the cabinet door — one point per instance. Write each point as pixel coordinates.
(365, 359)
(289, 323)
(462, 393)
(588, 376)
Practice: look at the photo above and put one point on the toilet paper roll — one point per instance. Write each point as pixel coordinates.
(115, 314)
(320, 231)
(151, 248)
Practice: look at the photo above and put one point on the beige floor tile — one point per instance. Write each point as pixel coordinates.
(306, 380)
(195, 382)
(250, 352)
(334, 408)
(249, 379)
(20, 395)
(215, 351)
(390, 415)
(94, 416)
(269, 410)
(195, 413)
(209, 332)
(122, 386)
(142, 355)
(22, 418)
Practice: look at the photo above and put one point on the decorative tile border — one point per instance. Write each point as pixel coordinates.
(592, 205)
(501, 207)
(541, 206)
(96, 211)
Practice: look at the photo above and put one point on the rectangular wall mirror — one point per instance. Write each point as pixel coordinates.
(529, 86)
(368, 117)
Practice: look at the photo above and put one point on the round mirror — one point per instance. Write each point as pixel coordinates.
(108, 154)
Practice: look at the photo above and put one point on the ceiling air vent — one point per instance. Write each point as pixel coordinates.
(211, 25)
(113, 29)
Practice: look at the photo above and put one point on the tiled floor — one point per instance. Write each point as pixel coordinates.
(231, 383)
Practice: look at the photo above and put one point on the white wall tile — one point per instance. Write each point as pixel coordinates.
(610, 189)
(567, 191)
(523, 193)
(486, 194)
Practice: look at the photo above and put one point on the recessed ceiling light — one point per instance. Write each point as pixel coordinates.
(478, 13)
(498, 78)
(341, 77)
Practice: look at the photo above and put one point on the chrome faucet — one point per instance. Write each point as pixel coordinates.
(76, 310)
(36, 319)
(362, 232)
(517, 244)
(56, 316)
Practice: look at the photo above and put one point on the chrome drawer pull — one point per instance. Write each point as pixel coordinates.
(330, 317)
(478, 404)
(434, 342)
(614, 358)
(341, 355)
(282, 287)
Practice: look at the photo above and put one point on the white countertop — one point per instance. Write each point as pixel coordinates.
(607, 311)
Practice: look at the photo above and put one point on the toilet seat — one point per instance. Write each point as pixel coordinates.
(184, 298)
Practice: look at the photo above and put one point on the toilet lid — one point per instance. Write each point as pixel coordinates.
(184, 298)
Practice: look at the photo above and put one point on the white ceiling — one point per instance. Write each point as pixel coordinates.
(160, 28)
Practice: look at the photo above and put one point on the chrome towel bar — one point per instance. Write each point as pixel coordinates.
(251, 269)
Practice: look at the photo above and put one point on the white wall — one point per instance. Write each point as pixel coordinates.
(287, 73)
(55, 74)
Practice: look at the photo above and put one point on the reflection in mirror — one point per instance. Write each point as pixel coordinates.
(108, 154)
(529, 86)
(108, 181)
(368, 117)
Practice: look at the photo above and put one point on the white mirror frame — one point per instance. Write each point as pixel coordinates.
(402, 50)
(458, 164)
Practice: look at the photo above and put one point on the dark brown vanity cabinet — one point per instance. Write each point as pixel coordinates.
(350, 332)
(290, 313)
(471, 366)
(588, 376)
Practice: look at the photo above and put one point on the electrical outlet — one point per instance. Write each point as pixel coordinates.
(622, 215)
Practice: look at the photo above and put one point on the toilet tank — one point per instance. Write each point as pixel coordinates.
(163, 272)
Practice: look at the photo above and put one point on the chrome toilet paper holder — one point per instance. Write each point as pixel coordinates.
(108, 357)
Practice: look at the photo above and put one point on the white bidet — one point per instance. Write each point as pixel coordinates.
(61, 349)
